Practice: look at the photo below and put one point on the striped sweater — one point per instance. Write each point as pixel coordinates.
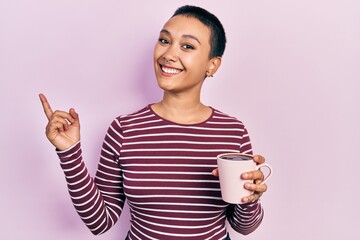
(163, 169)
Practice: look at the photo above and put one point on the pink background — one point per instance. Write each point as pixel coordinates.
(291, 73)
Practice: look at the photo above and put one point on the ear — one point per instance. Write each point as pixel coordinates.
(214, 64)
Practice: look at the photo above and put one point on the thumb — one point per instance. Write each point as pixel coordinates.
(74, 114)
(215, 172)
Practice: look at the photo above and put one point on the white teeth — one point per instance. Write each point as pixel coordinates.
(170, 70)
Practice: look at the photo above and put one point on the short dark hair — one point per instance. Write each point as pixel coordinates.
(217, 36)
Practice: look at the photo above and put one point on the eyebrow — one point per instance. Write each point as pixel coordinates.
(184, 35)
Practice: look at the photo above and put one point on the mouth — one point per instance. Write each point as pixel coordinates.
(169, 71)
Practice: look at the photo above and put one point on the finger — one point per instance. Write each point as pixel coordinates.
(215, 172)
(53, 129)
(57, 118)
(259, 159)
(63, 115)
(46, 106)
(260, 188)
(253, 175)
(74, 114)
(251, 198)
(58, 123)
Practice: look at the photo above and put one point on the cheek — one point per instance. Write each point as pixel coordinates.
(155, 59)
(196, 63)
(189, 60)
(159, 51)
(155, 52)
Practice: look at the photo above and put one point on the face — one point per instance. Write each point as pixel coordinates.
(181, 55)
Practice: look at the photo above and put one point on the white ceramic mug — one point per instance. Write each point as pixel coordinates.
(230, 167)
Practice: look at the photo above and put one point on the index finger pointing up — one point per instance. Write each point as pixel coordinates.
(46, 106)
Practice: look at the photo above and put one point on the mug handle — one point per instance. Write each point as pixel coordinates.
(270, 171)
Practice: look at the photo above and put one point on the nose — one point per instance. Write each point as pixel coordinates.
(171, 54)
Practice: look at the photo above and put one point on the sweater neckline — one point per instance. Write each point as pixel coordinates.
(182, 124)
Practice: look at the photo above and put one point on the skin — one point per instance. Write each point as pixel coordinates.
(183, 45)
(63, 128)
(181, 64)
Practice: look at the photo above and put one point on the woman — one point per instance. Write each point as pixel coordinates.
(162, 158)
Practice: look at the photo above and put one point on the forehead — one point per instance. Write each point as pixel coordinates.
(183, 25)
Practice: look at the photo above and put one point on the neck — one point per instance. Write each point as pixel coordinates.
(181, 102)
(182, 109)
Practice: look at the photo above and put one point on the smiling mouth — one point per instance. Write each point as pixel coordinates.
(171, 71)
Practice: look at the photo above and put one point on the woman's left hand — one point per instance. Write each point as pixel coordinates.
(257, 176)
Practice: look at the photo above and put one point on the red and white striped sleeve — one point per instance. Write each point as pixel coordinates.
(98, 201)
(245, 218)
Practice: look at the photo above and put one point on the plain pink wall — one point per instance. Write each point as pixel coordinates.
(291, 73)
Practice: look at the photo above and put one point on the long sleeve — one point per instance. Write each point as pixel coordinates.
(98, 201)
(245, 218)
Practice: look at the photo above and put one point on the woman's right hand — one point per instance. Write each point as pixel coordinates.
(63, 128)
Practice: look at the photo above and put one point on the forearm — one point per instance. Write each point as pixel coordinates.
(245, 218)
(88, 199)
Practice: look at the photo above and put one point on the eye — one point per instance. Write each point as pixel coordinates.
(163, 41)
(188, 47)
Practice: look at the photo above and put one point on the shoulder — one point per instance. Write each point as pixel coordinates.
(136, 114)
(222, 117)
(133, 118)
